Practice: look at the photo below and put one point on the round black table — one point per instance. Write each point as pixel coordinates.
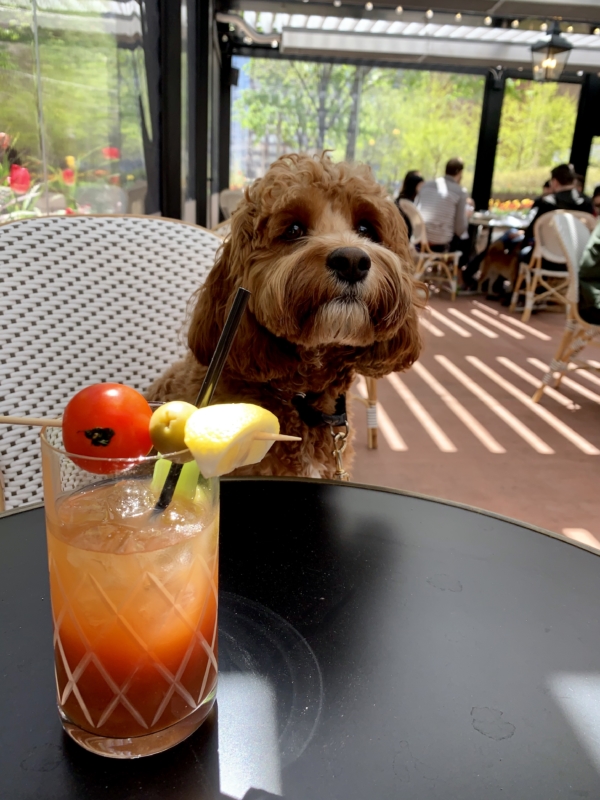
(373, 644)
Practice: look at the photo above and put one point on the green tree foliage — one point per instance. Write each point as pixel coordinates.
(418, 120)
(536, 131)
(305, 105)
(90, 93)
(405, 119)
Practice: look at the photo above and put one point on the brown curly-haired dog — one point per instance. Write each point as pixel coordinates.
(325, 254)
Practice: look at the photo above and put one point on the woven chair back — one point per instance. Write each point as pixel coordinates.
(419, 234)
(84, 300)
(229, 200)
(573, 236)
(547, 243)
(223, 229)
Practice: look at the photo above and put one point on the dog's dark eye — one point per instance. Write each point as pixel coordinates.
(294, 231)
(366, 229)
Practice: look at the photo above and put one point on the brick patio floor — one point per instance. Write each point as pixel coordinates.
(459, 424)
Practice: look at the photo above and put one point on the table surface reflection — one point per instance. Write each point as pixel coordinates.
(372, 645)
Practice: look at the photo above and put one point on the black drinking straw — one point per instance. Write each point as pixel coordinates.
(209, 384)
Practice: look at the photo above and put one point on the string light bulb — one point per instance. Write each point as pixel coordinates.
(597, 31)
(399, 9)
(514, 23)
(487, 21)
(429, 13)
(337, 3)
(544, 26)
(570, 29)
(458, 16)
(369, 6)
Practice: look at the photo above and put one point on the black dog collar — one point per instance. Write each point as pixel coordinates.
(314, 418)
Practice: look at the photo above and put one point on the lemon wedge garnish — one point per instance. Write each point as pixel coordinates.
(220, 437)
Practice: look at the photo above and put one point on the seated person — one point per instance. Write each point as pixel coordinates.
(443, 206)
(579, 185)
(413, 180)
(515, 241)
(564, 195)
(596, 201)
(589, 280)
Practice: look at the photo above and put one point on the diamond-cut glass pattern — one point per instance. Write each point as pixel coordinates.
(134, 657)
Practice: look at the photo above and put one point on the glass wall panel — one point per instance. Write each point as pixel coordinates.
(76, 105)
(21, 170)
(393, 119)
(536, 132)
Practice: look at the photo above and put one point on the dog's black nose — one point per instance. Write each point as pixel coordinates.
(350, 263)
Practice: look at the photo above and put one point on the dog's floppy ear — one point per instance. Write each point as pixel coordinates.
(256, 354)
(403, 349)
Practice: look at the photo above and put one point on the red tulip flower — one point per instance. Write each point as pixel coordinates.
(69, 211)
(68, 176)
(20, 179)
(112, 153)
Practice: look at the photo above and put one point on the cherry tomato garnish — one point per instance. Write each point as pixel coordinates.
(107, 420)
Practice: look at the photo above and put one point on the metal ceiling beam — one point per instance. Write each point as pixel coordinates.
(428, 49)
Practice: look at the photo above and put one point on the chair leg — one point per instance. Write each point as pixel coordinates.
(454, 281)
(516, 291)
(372, 413)
(2, 495)
(529, 298)
(559, 356)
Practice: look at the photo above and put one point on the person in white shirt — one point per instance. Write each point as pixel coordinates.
(443, 206)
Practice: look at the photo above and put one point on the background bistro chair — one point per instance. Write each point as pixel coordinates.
(431, 267)
(532, 276)
(229, 200)
(573, 236)
(84, 300)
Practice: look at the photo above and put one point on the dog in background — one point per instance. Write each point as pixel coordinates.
(325, 255)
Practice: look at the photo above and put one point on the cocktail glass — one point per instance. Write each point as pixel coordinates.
(134, 599)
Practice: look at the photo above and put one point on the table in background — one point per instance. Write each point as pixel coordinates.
(372, 645)
(491, 223)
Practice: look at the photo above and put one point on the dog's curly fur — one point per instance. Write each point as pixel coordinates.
(305, 329)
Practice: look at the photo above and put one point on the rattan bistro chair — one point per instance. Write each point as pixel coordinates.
(542, 285)
(431, 267)
(229, 200)
(573, 236)
(223, 229)
(87, 299)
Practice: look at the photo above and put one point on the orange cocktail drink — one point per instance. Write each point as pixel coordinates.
(134, 601)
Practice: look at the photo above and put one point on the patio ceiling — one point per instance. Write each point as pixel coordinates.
(413, 41)
(575, 11)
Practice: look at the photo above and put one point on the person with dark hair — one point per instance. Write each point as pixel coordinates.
(411, 185)
(413, 180)
(596, 201)
(564, 195)
(546, 188)
(443, 206)
(579, 183)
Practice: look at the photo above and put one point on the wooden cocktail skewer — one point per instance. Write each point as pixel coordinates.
(263, 436)
(48, 422)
